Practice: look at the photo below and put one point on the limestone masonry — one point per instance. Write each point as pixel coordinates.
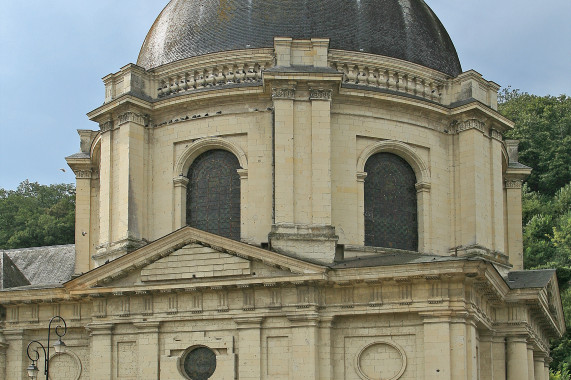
(333, 203)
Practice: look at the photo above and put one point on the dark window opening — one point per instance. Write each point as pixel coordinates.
(213, 195)
(390, 203)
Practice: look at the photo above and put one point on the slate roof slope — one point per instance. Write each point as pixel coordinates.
(529, 278)
(10, 275)
(406, 30)
(44, 265)
(397, 257)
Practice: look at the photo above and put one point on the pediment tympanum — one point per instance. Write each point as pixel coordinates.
(190, 257)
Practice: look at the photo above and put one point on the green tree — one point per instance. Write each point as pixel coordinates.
(36, 215)
(543, 126)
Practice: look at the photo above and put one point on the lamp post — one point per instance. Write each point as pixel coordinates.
(34, 346)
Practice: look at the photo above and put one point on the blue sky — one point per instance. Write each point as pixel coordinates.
(54, 54)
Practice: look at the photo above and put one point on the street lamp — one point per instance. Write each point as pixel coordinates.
(34, 346)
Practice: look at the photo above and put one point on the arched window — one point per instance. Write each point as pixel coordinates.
(390, 203)
(213, 195)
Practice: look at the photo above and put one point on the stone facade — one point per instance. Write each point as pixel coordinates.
(300, 295)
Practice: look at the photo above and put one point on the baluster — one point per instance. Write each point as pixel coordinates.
(162, 88)
(383, 78)
(362, 77)
(191, 82)
(372, 79)
(432, 89)
(226, 74)
(250, 75)
(400, 82)
(240, 74)
(352, 74)
(209, 77)
(258, 72)
(392, 80)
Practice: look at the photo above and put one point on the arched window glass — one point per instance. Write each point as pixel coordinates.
(390, 203)
(213, 195)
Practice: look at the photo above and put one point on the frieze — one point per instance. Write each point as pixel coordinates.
(283, 93)
(132, 117)
(320, 94)
(513, 183)
(470, 124)
(106, 126)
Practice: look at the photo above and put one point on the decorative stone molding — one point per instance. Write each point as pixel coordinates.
(132, 117)
(283, 93)
(202, 145)
(400, 149)
(180, 181)
(393, 366)
(320, 94)
(422, 187)
(106, 126)
(513, 183)
(83, 174)
(471, 124)
(361, 176)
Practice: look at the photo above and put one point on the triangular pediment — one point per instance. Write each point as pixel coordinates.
(190, 257)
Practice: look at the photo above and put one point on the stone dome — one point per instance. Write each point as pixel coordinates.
(403, 29)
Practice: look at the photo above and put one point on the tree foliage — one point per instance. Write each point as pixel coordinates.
(36, 215)
(543, 126)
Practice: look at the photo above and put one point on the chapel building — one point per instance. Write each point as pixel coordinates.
(293, 190)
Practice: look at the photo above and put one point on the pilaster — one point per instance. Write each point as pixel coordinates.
(325, 348)
(305, 345)
(486, 355)
(283, 98)
(148, 341)
(474, 188)
(15, 362)
(249, 348)
(101, 350)
(437, 347)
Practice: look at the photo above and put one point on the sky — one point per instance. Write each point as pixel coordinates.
(54, 54)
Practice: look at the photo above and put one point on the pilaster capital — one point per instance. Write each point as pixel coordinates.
(147, 327)
(513, 183)
(180, 181)
(320, 94)
(470, 124)
(243, 323)
(106, 126)
(304, 319)
(287, 93)
(496, 135)
(133, 117)
(100, 329)
(83, 174)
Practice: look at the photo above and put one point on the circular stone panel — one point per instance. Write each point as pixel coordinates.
(381, 361)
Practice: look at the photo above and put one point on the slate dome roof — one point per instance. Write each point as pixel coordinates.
(404, 29)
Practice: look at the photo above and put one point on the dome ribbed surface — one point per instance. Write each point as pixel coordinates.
(404, 29)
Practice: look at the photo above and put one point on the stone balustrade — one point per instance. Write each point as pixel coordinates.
(389, 74)
(246, 67)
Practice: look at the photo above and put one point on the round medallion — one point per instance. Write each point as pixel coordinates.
(381, 360)
(200, 363)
